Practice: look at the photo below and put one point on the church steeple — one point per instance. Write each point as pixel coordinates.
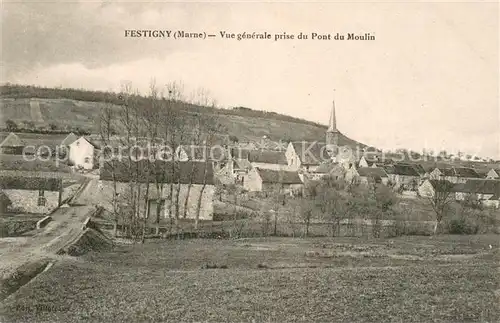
(332, 126)
(332, 134)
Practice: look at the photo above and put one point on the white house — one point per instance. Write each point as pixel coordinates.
(83, 153)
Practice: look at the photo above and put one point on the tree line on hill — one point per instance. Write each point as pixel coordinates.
(197, 102)
(28, 126)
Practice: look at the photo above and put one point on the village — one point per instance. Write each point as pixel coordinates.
(239, 178)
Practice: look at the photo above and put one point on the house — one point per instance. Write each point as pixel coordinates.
(366, 175)
(487, 191)
(261, 179)
(306, 156)
(38, 195)
(83, 153)
(429, 187)
(12, 144)
(493, 173)
(189, 180)
(454, 174)
(404, 176)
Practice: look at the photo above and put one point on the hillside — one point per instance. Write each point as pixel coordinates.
(69, 109)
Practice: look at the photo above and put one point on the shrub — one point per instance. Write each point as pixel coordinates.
(463, 225)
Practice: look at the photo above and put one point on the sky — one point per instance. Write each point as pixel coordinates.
(429, 80)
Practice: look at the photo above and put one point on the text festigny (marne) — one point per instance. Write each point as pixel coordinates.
(227, 35)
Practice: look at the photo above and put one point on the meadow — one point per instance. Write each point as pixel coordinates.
(445, 278)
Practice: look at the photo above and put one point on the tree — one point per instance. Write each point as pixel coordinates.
(331, 200)
(10, 125)
(440, 200)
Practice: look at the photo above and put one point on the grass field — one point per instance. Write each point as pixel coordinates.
(410, 279)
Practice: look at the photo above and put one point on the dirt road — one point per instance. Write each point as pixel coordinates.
(66, 225)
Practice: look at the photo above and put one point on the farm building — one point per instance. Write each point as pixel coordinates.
(83, 153)
(31, 194)
(12, 144)
(261, 179)
(188, 179)
(366, 175)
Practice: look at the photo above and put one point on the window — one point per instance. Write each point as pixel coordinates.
(87, 160)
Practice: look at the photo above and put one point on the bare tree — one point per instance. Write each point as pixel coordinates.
(440, 200)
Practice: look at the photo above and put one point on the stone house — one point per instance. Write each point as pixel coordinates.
(454, 174)
(261, 179)
(12, 144)
(37, 195)
(84, 153)
(188, 179)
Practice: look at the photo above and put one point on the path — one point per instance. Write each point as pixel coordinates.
(66, 225)
(36, 114)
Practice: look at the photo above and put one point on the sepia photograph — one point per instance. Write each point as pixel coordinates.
(249, 161)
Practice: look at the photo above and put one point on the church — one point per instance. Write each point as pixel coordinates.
(309, 156)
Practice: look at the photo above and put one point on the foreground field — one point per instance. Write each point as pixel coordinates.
(418, 279)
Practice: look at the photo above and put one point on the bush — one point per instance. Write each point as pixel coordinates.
(462, 225)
